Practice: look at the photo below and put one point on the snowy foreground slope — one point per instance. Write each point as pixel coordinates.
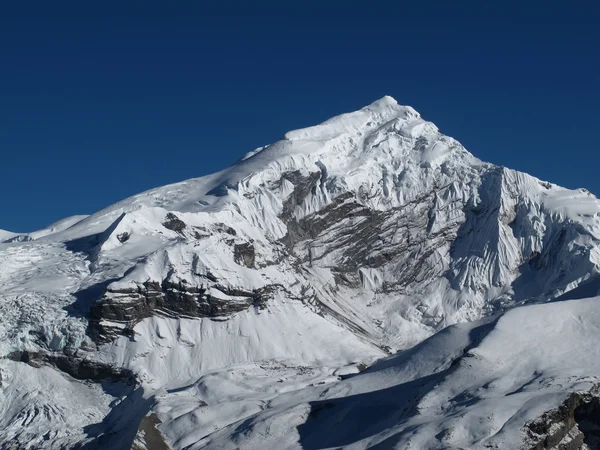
(236, 310)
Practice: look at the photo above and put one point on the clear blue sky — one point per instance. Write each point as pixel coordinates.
(102, 100)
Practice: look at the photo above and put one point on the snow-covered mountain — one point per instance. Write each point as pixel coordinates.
(236, 310)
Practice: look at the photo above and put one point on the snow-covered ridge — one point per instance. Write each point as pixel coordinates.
(370, 117)
(308, 259)
(337, 139)
(478, 385)
(5, 235)
(56, 227)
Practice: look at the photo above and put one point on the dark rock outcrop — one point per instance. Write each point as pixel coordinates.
(244, 254)
(174, 223)
(123, 237)
(148, 437)
(78, 368)
(363, 237)
(574, 425)
(118, 311)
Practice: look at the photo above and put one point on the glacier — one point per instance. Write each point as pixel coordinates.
(366, 282)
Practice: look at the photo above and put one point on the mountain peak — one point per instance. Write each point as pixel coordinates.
(370, 117)
(386, 100)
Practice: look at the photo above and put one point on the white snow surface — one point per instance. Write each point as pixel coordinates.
(4, 235)
(470, 386)
(55, 227)
(371, 233)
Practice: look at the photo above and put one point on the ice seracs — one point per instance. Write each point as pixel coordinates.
(240, 298)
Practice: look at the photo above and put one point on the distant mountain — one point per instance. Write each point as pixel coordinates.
(236, 310)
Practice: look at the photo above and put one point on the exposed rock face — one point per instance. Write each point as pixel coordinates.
(148, 437)
(79, 368)
(424, 241)
(123, 237)
(172, 222)
(118, 312)
(244, 254)
(574, 425)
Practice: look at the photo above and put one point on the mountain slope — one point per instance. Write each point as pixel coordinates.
(308, 259)
(473, 385)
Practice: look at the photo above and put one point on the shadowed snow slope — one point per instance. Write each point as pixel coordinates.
(239, 300)
(470, 386)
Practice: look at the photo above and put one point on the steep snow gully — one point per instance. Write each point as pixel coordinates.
(363, 283)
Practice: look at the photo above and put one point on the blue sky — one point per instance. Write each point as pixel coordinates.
(102, 100)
